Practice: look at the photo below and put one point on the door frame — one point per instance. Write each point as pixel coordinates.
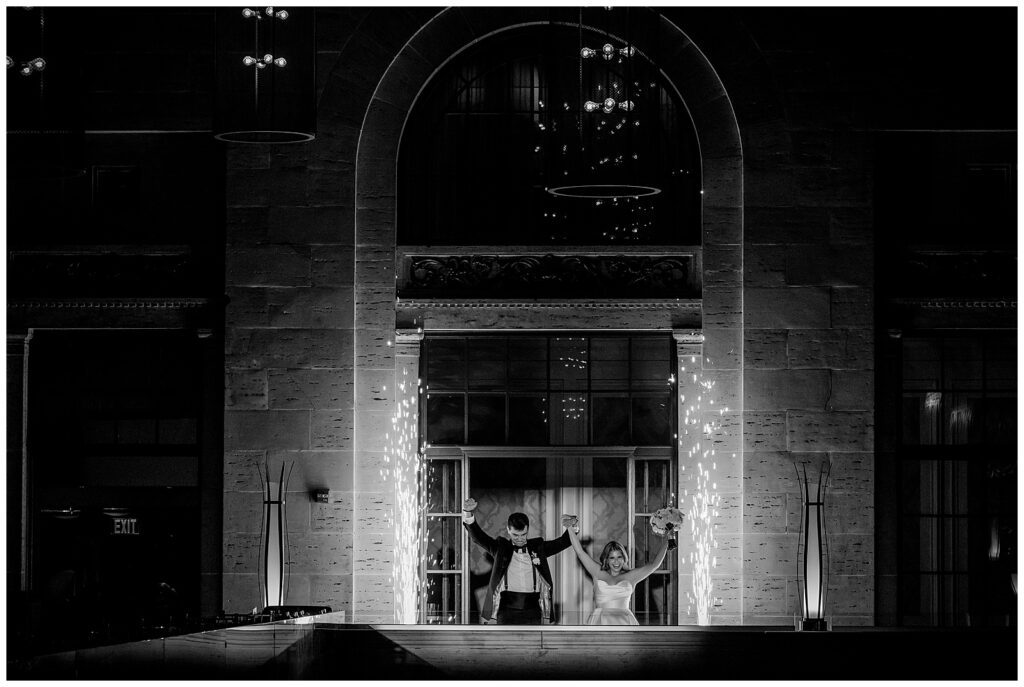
(572, 583)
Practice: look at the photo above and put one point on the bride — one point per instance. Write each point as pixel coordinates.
(613, 579)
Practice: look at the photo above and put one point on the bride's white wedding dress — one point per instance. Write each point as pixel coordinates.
(611, 604)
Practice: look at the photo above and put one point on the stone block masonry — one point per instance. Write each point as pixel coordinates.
(786, 308)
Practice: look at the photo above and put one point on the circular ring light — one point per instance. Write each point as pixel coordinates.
(265, 136)
(603, 191)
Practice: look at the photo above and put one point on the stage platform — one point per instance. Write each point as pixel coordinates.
(321, 650)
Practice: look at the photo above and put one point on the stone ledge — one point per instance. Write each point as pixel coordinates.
(690, 304)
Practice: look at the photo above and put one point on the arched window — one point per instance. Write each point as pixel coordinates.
(501, 147)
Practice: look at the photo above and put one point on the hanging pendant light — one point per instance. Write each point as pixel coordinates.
(266, 84)
(619, 152)
(45, 138)
(607, 154)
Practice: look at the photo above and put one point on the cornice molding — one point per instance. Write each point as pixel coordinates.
(409, 335)
(108, 303)
(688, 336)
(958, 303)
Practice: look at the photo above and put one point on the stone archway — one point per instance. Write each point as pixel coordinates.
(375, 355)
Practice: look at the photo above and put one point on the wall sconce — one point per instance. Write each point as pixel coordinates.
(320, 495)
(266, 83)
(68, 513)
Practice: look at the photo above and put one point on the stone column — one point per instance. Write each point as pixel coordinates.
(404, 463)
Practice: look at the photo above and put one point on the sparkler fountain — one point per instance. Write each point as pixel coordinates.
(697, 429)
(403, 465)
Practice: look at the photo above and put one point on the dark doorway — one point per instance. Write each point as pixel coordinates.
(113, 508)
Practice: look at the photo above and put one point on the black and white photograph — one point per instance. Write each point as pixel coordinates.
(533, 342)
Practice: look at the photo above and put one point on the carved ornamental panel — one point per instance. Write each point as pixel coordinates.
(548, 276)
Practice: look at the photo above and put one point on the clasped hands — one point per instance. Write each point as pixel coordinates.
(571, 521)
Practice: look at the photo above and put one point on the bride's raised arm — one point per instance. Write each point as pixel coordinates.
(589, 563)
(644, 571)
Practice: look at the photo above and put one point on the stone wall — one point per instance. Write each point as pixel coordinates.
(808, 384)
(289, 375)
(310, 361)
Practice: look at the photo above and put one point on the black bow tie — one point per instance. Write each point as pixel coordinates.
(519, 549)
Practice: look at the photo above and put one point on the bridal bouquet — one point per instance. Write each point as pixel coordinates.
(665, 520)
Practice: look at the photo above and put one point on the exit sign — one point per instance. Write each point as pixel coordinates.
(126, 527)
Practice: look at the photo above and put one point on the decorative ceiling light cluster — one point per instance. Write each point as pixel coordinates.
(606, 163)
(575, 359)
(36, 64)
(264, 61)
(574, 407)
(45, 133)
(275, 102)
(267, 59)
(608, 52)
(269, 11)
(608, 105)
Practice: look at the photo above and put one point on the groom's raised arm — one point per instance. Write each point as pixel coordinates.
(476, 533)
(553, 546)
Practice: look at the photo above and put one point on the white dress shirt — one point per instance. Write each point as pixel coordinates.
(520, 575)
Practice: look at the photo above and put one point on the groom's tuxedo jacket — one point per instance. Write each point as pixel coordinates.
(501, 550)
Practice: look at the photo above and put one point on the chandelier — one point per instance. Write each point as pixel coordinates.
(45, 133)
(603, 157)
(266, 86)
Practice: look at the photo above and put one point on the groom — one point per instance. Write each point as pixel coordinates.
(520, 586)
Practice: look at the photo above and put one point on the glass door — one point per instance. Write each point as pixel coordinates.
(594, 486)
(613, 490)
(442, 560)
(502, 484)
(655, 601)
